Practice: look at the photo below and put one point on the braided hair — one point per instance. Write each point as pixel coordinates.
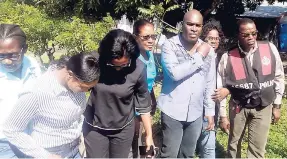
(13, 31)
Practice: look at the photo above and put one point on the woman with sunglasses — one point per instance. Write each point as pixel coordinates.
(109, 118)
(16, 70)
(54, 106)
(145, 35)
(213, 35)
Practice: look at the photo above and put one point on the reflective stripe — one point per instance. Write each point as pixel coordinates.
(265, 57)
(237, 66)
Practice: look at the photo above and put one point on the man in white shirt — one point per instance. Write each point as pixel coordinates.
(16, 70)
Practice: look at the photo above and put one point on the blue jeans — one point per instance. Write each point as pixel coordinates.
(179, 137)
(206, 142)
(5, 150)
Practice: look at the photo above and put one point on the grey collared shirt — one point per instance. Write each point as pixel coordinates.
(189, 81)
(56, 117)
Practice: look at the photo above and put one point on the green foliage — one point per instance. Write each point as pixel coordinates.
(70, 34)
(38, 28)
(77, 36)
(276, 146)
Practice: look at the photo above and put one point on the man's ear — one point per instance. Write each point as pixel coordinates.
(25, 48)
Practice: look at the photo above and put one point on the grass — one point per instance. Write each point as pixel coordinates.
(277, 139)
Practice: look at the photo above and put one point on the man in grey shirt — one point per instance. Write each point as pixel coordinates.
(189, 81)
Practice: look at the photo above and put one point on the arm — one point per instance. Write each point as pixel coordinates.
(222, 108)
(221, 84)
(279, 84)
(224, 122)
(176, 70)
(143, 106)
(24, 111)
(153, 102)
(279, 76)
(208, 103)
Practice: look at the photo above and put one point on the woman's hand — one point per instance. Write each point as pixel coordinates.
(146, 119)
(149, 143)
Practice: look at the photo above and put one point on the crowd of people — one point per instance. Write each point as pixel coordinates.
(43, 115)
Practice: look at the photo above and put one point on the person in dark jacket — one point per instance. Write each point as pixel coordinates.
(122, 89)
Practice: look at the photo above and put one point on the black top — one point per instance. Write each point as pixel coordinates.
(113, 100)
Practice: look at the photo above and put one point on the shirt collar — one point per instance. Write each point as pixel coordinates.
(251, 51)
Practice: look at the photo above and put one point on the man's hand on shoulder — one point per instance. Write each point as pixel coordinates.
(203, 49)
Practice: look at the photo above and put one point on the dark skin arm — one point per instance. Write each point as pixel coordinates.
(153, 102)
(276, 113)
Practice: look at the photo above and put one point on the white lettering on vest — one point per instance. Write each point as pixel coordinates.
(244, 86)
(250, 85)
(266, 84)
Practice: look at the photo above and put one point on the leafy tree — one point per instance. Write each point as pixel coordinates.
(44, 33)
(38, 28)
(77, 36)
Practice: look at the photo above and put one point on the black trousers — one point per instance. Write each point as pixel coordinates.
(108, 143)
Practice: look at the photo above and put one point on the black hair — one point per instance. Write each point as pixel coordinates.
(139, 24)
(243, 21)
(215, 25)
(13, 31)
(84, 66)
(117, 44)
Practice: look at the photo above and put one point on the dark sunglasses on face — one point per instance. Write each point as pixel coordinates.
(245, 35)
(121, 66)
(147, 37)
(13, 56)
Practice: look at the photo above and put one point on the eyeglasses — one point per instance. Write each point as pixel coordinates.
(121, 66)
(245, 35)
(13, 56)
(147, 37)
(210, 38)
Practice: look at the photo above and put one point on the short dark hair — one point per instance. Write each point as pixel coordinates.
(84, 66)
(244, 21)
(139, 24)
(117, 44)
(13, 31)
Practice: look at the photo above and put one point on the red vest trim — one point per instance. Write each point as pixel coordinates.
(236, 62)
(237, 65)
(265, 59)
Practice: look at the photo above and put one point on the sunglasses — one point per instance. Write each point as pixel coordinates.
(121, 66)
(13, 56)
(147, 37)
(210, 38)
(245, 35)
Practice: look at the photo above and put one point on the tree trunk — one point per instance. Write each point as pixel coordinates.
(39, 60)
